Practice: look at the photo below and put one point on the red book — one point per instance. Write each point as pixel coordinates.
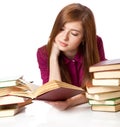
(106, 65)
(50, 91)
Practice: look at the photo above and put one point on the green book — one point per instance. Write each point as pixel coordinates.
(113, 101)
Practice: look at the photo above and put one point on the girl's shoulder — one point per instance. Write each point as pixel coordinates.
(101, 48)
(99, 39)
(42, 52)
(100, 42)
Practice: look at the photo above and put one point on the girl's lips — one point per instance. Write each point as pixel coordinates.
(63, 44)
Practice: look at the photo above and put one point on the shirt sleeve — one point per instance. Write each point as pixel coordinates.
(42, 59)
(101, 48)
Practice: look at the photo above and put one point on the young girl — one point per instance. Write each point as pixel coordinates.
(72, 48)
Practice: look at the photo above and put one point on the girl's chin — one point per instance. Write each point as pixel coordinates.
(62, 49)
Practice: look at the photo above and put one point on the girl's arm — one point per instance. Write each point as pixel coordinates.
(52, 73)
(54, 65)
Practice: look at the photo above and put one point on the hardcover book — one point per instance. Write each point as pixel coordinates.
(13, 109)
(50, 91)
(103, 96)
(113, 101)
(107, 108)
(101, 89)
(9, 110)
(107, 74)
(5, 100)
(113, 64)
(106, 82)
(10, 81)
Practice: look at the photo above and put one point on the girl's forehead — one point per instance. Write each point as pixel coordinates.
(77, 25)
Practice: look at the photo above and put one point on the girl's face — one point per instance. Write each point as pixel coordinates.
(69, 38)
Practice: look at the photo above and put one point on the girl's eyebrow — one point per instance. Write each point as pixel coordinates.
(75, 30)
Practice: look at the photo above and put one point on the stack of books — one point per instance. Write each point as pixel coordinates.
(104, 90)
(11, 105)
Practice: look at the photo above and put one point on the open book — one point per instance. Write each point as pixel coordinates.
(50, 91)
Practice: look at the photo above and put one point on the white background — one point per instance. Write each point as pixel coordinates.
(25, 25)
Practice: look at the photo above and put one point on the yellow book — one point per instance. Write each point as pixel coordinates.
(10, 110)
(8, 99)
(106, 82)
(103, 96)
(107, 74)
(100, 89)
(107, 108)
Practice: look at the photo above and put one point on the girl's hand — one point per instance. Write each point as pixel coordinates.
(73, 101)
(60, 105)
(55, 51)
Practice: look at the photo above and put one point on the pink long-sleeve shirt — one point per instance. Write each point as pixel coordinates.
(74, 66)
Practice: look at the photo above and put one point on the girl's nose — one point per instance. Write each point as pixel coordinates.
(65, 35)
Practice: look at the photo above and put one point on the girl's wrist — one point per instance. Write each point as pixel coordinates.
(53, 57)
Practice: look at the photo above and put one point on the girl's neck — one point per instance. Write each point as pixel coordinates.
(70, 54)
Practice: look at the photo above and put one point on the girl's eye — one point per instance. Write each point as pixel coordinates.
(74, 33)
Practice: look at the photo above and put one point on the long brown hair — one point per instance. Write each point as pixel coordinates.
(77, 12)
